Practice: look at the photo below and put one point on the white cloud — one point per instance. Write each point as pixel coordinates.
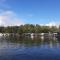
(50, 24)
(9, 18)
(53, 24)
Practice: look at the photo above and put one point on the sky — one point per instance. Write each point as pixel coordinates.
(17, 12)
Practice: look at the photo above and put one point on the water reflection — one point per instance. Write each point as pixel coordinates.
(15, 41)
(27, 48)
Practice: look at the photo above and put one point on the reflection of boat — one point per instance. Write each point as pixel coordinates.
(1, 34)
(58, 35)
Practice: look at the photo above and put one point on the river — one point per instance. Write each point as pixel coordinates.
(15, 48)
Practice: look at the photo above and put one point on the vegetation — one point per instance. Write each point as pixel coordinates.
(29, 28)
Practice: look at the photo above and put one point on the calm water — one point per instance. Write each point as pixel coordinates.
(16, 48)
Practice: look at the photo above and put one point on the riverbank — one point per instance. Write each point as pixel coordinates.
(42, 35)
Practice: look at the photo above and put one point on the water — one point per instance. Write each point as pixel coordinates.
(16, 48)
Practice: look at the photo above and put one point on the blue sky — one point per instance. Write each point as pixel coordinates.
(33, 11)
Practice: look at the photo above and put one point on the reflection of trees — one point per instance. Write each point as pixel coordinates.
(28, 41)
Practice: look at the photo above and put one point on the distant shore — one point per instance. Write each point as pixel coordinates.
(29, 28)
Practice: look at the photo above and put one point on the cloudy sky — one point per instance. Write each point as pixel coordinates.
(17, 12)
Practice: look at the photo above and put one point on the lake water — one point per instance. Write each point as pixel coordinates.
(16, 48)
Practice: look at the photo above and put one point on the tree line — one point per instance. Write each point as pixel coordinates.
(29, 28)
